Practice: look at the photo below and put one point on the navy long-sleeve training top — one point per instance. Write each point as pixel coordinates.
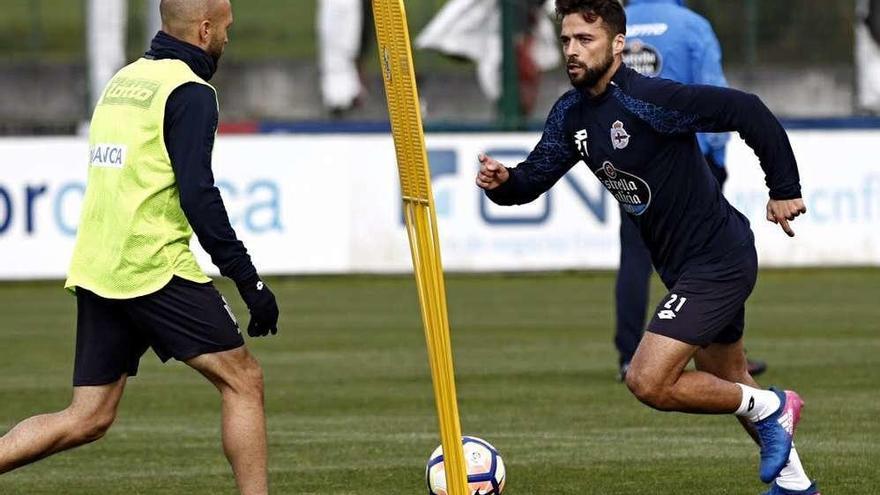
(191, 117)
(638, 138)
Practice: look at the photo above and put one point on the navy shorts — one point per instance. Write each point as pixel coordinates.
(706, 305)
(182, 320)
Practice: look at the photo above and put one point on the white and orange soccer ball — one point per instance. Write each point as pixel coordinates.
(485, 468)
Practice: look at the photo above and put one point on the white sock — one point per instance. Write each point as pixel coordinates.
(757, 404)
(793, 476)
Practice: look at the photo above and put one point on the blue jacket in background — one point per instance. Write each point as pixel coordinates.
(665, 39)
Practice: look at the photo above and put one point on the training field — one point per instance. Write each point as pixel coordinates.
(350, 405)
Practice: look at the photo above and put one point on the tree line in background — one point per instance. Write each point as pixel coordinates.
(791, 33)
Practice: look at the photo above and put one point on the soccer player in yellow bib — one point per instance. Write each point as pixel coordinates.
(136, 281)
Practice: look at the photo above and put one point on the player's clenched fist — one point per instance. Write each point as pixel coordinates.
(492, 173)
(782, 211)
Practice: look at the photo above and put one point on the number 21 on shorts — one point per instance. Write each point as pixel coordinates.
(671, 312)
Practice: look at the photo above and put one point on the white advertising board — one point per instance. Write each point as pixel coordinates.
(840, 180)
(330, 204)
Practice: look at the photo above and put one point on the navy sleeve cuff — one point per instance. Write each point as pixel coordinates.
(506, 193)
(788, 192)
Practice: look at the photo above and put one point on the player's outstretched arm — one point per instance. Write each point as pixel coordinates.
(551, 158)
(782, 211)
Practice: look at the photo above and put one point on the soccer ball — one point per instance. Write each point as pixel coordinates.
(485, 469)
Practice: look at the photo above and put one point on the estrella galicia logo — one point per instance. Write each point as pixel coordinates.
(642, 58)
(632, 192)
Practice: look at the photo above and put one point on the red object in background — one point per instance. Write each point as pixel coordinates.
(528, 72)
(246, 127)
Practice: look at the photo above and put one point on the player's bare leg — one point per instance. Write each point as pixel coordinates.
(728, 362)
(87, 418)
(239, 378)
(657, 378)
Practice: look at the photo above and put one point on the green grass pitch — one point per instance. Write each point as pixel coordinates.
(350, 406)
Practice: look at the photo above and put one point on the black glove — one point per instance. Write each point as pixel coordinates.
(262, 306)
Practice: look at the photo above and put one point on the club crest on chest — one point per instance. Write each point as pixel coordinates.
(619, 136)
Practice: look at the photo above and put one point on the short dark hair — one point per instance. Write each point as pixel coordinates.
(611, 12)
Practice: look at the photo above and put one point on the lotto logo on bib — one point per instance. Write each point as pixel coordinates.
(128, 91)
(632, 192)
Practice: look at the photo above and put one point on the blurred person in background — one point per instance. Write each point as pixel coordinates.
(106, 25)
(471, 30)
(152, 20)
(137, 283)
(664, 39)
(867, 47)
(343, 27)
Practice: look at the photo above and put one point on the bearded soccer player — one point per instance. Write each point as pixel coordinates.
(637, 135)
(136, 281)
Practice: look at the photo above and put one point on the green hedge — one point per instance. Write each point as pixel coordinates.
(788, 32)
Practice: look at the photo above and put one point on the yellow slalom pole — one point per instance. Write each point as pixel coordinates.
(395, 56)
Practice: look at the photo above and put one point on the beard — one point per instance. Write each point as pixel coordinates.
(215, 50)
(592, 75)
